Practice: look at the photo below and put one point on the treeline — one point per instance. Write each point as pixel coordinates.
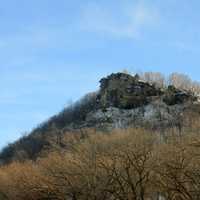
(178, 80)
(130, 164)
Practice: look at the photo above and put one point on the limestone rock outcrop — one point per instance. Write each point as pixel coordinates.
(125, 91)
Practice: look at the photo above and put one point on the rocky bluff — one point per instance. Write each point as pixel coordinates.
(124, 100)
(124, 91)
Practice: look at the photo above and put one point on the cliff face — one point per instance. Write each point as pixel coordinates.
(125, 100)
(127, 92)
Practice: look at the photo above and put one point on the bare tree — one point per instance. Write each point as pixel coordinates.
(154, 78)
(180, 81)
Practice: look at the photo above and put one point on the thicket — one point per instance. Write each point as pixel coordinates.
(132, 164)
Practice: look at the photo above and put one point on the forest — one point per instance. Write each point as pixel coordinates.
(132, 164)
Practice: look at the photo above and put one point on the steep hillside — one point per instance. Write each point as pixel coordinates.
(122, 101)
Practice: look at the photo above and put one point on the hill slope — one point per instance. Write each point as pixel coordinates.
(122, 101)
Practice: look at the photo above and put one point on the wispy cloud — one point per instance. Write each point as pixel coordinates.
(127, 21)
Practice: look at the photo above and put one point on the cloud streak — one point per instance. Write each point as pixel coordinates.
(126, 22)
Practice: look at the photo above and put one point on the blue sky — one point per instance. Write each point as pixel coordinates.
(53, 52)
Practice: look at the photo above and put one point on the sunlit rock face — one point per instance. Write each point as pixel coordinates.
(155, 115)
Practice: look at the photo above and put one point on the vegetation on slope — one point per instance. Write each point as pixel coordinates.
(132, 164)
(134, 91)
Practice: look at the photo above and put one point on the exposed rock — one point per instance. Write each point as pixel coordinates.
(125, 100)
(174, 96)
(125, 91)
(155, 114)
